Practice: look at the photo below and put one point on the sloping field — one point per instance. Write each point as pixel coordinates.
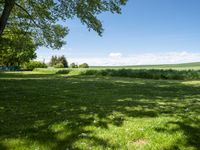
(185, 66)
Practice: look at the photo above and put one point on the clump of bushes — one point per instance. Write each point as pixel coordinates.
(146, 74)
(66, 71)
(84, 65)
(59, 65)
(29, 66)
(73, 65)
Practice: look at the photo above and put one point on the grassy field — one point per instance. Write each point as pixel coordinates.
(185, 66)
(40, 111)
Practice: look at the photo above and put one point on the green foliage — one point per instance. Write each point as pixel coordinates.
(167, 74)
(59, 61)
(73, 65)
(41, 18)
(63, 61)
(64, 71)
(59, 65)
(16, 49)
(53, 61)
(84, 65)
(34, 64)
(145, 74)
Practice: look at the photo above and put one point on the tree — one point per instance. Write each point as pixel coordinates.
(63, 61)
(53, 61)
(16, 49)
(84, 65)
(40, 18)
(59, 62)
(73, 65)
(59, 65)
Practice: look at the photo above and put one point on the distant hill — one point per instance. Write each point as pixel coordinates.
(184, 66)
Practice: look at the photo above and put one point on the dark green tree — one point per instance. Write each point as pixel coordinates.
(63, 61)
(59, 61)
(41, 17)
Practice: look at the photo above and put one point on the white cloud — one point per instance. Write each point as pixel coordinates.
(117, 59)
(115, 55)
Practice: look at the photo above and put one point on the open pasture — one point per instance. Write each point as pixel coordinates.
(46, 111)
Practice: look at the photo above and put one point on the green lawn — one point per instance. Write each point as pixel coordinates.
(41, 111)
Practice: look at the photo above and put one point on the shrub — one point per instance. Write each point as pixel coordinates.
(73, 65)
(33, 64)
(10, 68)
(89, 72)
(146, 74)
(63, 71)
(84, 65)
(59, 65)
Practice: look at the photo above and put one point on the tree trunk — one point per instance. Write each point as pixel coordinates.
(9, 4)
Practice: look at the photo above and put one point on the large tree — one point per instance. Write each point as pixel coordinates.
(16, 48)
(41, 17)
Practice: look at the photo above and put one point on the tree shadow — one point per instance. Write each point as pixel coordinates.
(190, 128)
(32, 107)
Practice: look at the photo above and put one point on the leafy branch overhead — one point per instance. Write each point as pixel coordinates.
(41, 18)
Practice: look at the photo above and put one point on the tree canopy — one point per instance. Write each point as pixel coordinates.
(16, 49)
(41, 18)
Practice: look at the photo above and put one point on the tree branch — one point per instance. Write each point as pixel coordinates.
(5, 14)
(30, 17)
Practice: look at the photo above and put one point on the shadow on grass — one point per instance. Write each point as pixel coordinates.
(41, 108)
(191, 130)
(25, 75)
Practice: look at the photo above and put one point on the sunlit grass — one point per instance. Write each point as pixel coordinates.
(49, 112)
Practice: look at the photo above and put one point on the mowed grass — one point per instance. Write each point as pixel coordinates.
(41, 111)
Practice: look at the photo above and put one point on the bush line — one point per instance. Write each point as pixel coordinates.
(142, 73)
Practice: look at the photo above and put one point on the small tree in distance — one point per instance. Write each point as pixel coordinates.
(58, 62)
(73, 65)
(84, 65)
(63, 61)
(53, 61)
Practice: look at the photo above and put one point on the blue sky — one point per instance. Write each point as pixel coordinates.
(147, 32)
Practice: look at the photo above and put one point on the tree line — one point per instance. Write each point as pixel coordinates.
(55, 62)
(61, 62)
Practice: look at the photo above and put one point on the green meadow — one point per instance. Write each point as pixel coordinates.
(184, 66)
(42, 110)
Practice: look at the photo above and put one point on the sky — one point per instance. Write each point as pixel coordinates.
(147, 32)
